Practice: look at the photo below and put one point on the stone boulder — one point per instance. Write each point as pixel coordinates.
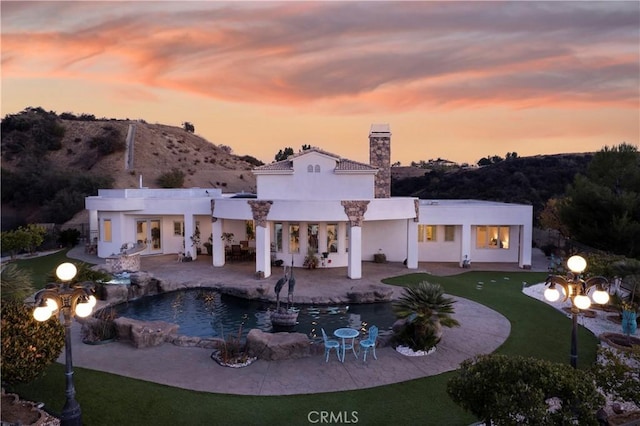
(370, 294)
(276, 346)
(144, 334)
(258, 292)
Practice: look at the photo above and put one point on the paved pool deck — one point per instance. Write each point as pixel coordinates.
(482, 331)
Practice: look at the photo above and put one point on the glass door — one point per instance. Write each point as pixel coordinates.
(148, 231)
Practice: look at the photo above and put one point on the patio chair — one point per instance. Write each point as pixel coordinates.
(370, 343)
(328, 345)
(236, 252)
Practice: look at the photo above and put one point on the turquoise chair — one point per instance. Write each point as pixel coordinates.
(370, 343)
(330, 344)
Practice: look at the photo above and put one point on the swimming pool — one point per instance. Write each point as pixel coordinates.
(207, 313)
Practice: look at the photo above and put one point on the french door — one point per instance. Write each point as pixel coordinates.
(149, 231)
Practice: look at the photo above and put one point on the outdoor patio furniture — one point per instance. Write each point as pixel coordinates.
(330, 344)
(370, 343)
(236, 252)
(345, 334)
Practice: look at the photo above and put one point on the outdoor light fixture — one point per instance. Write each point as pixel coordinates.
(576, 290)
(70, 300)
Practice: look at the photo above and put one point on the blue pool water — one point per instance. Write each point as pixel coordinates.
(207, 313)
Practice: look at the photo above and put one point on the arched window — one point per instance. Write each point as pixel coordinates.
(310, 168)
(317, 168)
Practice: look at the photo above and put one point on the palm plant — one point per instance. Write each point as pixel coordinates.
(16, 284)
(425, 310)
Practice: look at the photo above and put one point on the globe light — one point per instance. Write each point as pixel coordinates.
(577, 264)
(66, 271)
(551, 294)
(83, 309)
(600, 297)
(42, 313)
(92, 301)
(582, 302)
(52, 304)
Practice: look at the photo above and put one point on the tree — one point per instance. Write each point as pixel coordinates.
(284, 154)
(28, 346)
(26, 238)
(602, 208)
(506, 390)
(425, 310)
(189, 127)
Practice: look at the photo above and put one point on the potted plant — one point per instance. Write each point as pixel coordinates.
(195, 240)
(227, 237)
(209, 246)
(311, 261)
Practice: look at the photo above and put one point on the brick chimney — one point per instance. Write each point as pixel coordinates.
(380, 157)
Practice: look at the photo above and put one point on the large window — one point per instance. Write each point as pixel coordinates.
(277, 241)
(492, 237)
(294, 238)
(106, 228)
(426, 233)
(449, 233)
(332, 237)
(312, 237)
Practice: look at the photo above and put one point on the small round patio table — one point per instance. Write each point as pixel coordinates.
(344, 334)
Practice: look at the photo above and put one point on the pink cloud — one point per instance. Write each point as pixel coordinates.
(341, 56)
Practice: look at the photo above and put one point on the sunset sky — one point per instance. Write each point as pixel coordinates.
(456, 80)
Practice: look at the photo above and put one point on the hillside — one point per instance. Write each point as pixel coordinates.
(526, 180)
(43, 153)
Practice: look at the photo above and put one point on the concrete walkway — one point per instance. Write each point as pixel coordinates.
(482, 331)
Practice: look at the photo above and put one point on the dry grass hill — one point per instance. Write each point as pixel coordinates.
(51, 162)
(157, 149)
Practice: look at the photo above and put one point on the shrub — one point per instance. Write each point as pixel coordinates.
(171, 179)
(425, 310)
(109, 142)
(506, 390)
(28, 346)
(16, 284)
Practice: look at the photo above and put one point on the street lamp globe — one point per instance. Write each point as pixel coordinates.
(83, 309)
(581, 301)
(42, 313)
(577, 264)
(601, 297)
(552, 294)
(66, 271)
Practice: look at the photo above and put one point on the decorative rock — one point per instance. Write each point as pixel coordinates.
(277, 346)
(143, 334)
(370, 294)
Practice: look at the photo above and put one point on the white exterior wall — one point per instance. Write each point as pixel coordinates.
(470, 214)
(325, 185)
(388, 237)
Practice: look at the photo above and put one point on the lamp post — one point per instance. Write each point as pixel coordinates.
(576, 290)
(70, 300)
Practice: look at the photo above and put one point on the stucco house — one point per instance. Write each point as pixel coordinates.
(315, 202)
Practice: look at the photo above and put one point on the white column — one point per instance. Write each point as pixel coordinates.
(217, 245)
(465, 244)
(354, 270)
(263, 250)
(93, 225)
(524, 257)
(189, 228)
(412, 244)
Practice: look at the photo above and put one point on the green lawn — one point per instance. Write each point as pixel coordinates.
(537, 330)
